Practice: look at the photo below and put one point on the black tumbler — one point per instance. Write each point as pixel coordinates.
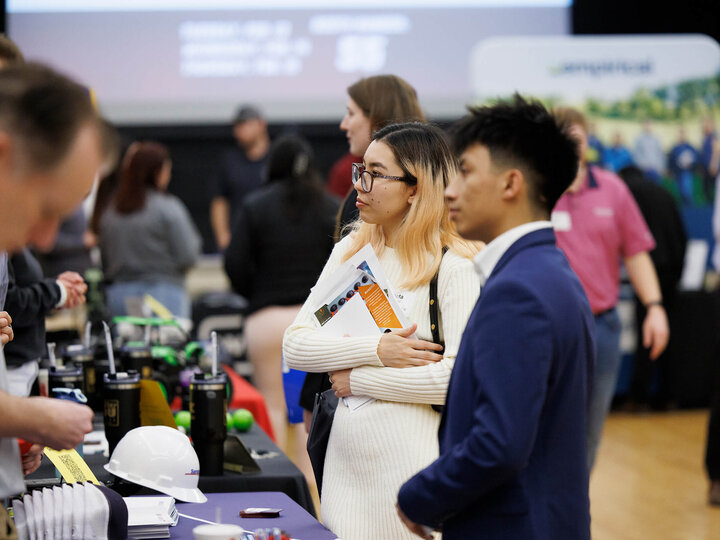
(65, 377)
(83, 358)
(185, 378)
(208, 408)
(138, 357)
(99, 367)
(121, 405)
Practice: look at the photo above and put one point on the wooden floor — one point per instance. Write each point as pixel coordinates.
(649, 481)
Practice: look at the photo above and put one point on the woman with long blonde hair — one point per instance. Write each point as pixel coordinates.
(372, 450)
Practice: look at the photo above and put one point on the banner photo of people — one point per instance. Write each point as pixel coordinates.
(652, 102)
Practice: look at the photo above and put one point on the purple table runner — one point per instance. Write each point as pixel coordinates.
(293, 519)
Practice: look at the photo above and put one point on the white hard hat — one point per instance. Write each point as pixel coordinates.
(160, 458)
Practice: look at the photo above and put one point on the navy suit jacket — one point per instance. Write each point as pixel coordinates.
(512, 438)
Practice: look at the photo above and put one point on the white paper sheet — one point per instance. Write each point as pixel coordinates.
(353, 320)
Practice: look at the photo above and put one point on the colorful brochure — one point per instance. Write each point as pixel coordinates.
(357, 301)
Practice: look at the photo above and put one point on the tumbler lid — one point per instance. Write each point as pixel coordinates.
(136, 350)
(122, 377)
(65, 371)
(206, 378)
(78, 353)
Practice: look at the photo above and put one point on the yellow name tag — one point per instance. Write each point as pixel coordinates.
(71, 466)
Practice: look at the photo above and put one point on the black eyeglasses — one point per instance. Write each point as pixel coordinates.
(367, 178)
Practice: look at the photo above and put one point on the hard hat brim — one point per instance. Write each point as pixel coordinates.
(187, 495)
(183, 494)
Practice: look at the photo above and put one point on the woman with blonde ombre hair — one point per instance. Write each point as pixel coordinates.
(374, 449)
(372, 103)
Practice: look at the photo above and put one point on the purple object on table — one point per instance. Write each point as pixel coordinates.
(293, 519)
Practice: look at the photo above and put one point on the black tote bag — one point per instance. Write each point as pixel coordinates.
(322, 418)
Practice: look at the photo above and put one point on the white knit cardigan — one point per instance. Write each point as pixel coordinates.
(374, 449)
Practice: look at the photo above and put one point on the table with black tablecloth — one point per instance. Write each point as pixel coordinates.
(293, 519)
(278, 473)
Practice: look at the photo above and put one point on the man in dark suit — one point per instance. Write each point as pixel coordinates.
(512, 438)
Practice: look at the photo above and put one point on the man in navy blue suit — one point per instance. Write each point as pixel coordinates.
(512, 438)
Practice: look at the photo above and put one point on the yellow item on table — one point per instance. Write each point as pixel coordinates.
(72, 467)
(154, 408)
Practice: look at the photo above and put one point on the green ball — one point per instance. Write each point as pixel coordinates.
(242, 419)
(182, 419)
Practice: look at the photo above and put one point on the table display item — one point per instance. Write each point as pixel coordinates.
(61, 377)
(137, 356)
(208, 408)
(160, 458)
(121, 394)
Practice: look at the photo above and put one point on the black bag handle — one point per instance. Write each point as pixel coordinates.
(435, 314)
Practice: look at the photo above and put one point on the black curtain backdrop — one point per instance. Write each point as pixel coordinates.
(646, 17)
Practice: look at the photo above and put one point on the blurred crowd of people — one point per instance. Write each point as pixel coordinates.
(681, 163)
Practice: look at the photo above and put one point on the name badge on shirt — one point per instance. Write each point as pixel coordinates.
(602, 211)
(561, 220)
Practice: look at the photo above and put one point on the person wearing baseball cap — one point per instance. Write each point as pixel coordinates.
(242, 170)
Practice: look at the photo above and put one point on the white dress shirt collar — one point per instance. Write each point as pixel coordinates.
(489, 256)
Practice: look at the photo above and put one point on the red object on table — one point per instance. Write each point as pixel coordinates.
(244, 396)
(24, 446)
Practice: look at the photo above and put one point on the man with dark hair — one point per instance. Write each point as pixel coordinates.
(242, 170)
(512, 436)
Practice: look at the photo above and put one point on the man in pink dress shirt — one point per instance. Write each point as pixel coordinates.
(599, 226)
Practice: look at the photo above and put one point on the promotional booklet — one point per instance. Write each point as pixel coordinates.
(357, 301)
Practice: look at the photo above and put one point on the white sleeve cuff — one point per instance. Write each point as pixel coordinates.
(63, 294)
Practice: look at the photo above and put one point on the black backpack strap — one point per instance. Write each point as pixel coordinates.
(435, 316)
(434, 310)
